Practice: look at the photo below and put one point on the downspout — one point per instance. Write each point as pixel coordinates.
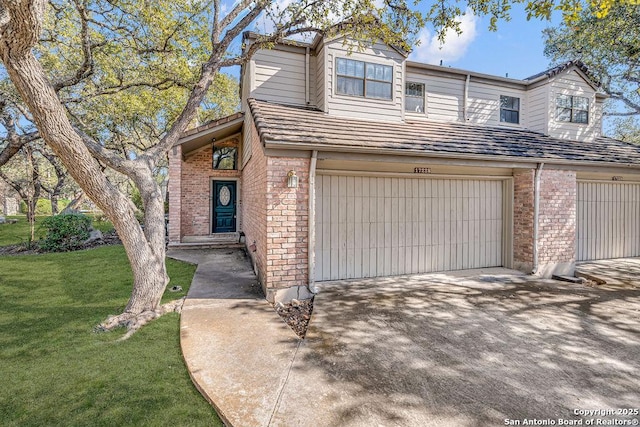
(306, 76)
(312, 222)
(536, 216)
(466, 98)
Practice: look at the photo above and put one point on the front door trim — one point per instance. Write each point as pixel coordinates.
(213, 202)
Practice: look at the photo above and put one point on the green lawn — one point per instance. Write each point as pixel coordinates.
(57, 372)
(13, 234)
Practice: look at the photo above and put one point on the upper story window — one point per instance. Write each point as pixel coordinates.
(509, 109)
(359, 78)
(574, 109)
(225, 155)
(414, 97)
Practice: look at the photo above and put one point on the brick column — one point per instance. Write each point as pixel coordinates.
(557, 224)
(287, 229)
(523, 187)
(175, 194)
(556, 221)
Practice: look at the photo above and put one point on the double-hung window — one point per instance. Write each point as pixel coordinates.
(359, 78)
(574, 109)
(509, 109)
(414, 97)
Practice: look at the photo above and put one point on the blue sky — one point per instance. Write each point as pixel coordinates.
(516, 48)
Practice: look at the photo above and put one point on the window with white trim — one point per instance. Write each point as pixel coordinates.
(414, 97)
(574, 109)
(509, 109)
(359, 78)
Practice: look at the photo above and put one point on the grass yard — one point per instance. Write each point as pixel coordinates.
(57, 372)
(14, 234)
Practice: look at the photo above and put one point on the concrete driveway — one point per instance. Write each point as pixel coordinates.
(440, 350)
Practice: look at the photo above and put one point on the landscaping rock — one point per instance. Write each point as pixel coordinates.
(2, 219)
(94, 235)
(296, 316)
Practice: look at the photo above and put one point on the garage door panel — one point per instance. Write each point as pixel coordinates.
(608, 220)
(381, 226)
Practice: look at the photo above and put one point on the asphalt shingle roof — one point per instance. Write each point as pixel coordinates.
(283, 124)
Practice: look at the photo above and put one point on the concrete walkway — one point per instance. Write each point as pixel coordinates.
(237, 349)
(428, 350)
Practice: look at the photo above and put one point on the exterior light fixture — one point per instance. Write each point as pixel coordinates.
(292, 179)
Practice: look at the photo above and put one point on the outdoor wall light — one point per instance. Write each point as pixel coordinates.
(292, 179)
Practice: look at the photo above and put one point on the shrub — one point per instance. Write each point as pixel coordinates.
(65, 232)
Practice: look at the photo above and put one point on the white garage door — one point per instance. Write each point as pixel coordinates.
(383, 226)
(608, 220)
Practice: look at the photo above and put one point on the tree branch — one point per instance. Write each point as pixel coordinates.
(86, 68)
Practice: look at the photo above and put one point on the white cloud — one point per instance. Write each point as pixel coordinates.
(454, 47)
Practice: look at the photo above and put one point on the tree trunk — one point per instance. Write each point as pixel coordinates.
(32, 202)
(75, 203)
(53, 197)
(145, 249)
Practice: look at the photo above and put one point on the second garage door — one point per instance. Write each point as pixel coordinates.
(370, 226)
(608, 220)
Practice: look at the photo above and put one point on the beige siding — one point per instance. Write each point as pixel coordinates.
(538, 109)
(608, 217)
(572, 83)
(247, 139)
(484, 104)
(597, 117)
(370, 226)
(313, 75)
(444, 96)
(364, 108)
(321, 79)
(279, 76)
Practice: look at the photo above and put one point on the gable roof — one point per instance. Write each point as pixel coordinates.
(554, 71)
(294, 127)
(196, 138)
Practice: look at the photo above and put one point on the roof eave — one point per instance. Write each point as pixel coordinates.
(270, 142)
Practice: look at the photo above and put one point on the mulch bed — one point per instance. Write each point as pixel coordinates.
(296, 314)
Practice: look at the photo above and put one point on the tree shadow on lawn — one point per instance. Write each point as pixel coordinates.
(438, 350)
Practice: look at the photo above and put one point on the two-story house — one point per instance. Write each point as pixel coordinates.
(348, 165)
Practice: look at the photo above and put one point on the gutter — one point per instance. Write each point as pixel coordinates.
(312, 223)
(536, 217)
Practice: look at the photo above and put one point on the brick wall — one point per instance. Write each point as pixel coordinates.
(557, 225)
(523, 187)
(196, 176)
(287, 223)
(175, 191)
(556, 221)
(276, 219)
(254, 203)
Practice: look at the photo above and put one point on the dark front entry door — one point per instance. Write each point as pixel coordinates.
(224, 206)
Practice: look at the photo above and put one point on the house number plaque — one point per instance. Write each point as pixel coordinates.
(616, 178)
(421, 170)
